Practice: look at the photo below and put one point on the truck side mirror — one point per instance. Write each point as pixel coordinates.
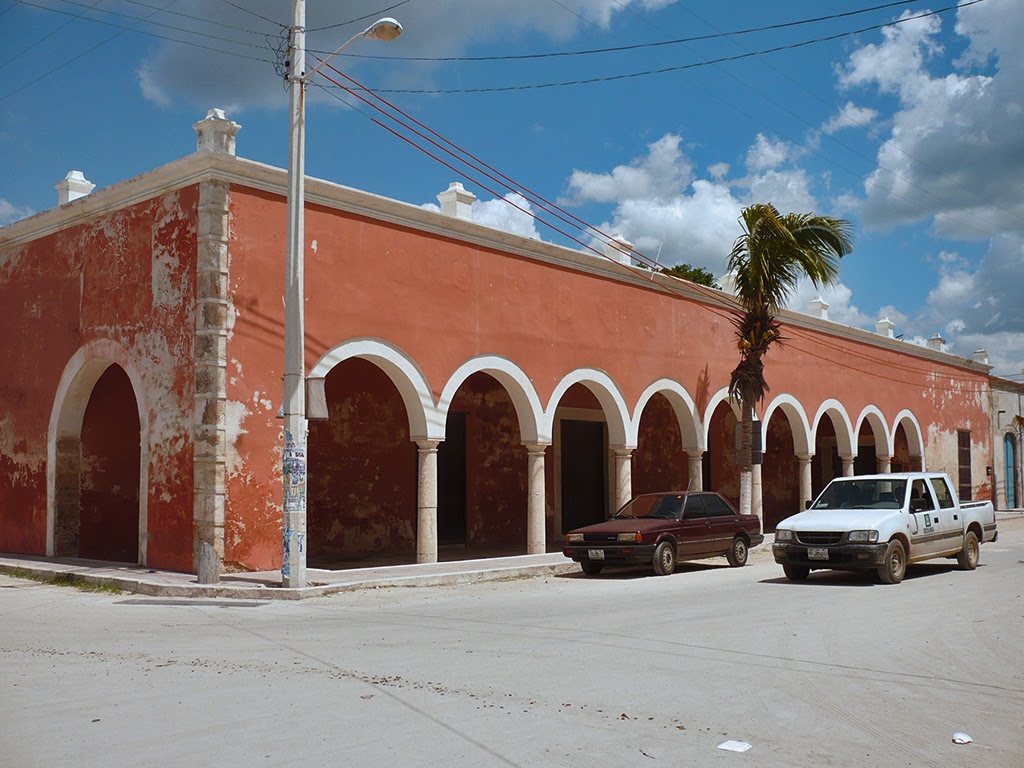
(807, 504)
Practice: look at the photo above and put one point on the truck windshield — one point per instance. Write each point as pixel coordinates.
(862, 494)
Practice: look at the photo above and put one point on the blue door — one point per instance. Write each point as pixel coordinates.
(1010, 451)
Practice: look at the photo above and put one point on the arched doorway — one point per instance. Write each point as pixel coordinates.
(721, 473)
(481, 474)
(98, 466)
(1010, 458)
(361, 506)
(659, 462)
(780, 473)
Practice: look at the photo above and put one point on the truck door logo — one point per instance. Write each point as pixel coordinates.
(928, 523)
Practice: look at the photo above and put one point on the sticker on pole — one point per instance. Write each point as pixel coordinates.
(294, 465)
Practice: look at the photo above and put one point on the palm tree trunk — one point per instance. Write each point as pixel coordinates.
(745, 458)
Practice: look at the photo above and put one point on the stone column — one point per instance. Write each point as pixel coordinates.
(536, 503)
(623, 476)
(847, 465)
(884, 465)
(756, 500)
(426, 504)
(805, 478)
(696, 462)
(209, 427)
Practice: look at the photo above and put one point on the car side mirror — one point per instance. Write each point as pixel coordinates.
(918, 505)
(807, 504)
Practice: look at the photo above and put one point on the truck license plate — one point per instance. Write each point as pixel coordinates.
(595, 554)
(817, 553)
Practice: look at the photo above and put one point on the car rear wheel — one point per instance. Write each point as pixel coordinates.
(737, 554)
(590, 567)
(796, 572)
(664, 559)
(968, 557)
(894, 564)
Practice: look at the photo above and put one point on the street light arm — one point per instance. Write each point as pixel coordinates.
(382, 29)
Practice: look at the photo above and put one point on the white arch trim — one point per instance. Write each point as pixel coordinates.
(518, 385)
(721, 396)
(620, 431)
(74, 389)
(883, 439)
(845, 436)
(424, 421)
(684, 408)
(803, 442)
(915, 438)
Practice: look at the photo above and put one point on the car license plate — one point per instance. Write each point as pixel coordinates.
(817, 553)
(595, 554)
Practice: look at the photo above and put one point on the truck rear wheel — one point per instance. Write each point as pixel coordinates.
(894, 564)
(969, 554)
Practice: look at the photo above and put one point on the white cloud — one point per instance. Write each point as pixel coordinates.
(955, 153)
(513, 214)
(438, 28)
(849, 116)
(663, 172)
(767, 153)
(505, 215)
(838, 297)
(9, 212)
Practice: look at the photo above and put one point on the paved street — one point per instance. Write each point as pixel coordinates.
(622, 670)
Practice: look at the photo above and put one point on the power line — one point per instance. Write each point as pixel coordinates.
(122, 29)
(373, 15)
(256, 15)
(42, 39)
(677, 68)
(196, 18)
(635, 46)
(147, 20)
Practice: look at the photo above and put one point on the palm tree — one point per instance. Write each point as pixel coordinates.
(768, 260)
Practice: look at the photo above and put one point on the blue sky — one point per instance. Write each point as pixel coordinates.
(914, 132)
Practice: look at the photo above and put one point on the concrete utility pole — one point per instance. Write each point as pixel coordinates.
(293, 458)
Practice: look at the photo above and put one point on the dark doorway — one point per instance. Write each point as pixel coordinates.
(451, 482)
(109, 516)
(584, 485)
(866, 462)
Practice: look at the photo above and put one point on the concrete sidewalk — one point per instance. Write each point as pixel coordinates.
(265, 585)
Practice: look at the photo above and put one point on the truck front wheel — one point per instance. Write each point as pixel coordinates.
(894, 564)
(968, 557)
(796, 572)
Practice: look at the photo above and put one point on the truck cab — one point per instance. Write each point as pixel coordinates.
(883, 523)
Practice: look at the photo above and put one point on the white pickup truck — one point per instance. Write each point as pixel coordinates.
(883, 522)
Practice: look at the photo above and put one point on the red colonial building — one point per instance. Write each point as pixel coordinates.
(468, 389)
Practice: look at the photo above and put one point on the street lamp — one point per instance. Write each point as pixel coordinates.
(293, 457)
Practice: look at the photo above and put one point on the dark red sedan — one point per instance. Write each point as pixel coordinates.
(661, 528)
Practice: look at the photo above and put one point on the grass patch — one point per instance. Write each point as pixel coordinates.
(62, 580)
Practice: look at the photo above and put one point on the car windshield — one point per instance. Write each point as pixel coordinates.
(862, 494)
(665, 506)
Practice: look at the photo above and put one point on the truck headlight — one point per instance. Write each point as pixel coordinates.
(630, 537)
(869, 536)
(781, 534)
(574, 538)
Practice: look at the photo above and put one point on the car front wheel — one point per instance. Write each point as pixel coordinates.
(737, 554)
(894, 564)
(664, 559)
